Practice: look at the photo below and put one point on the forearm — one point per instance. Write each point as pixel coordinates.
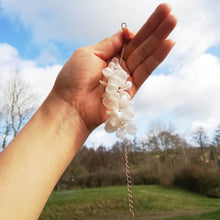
(34, 161)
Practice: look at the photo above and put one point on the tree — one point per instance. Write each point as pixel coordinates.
(216, 141)
(201, 139)
(215, 144)
(18, 103)
(101, 156)
(161, 139)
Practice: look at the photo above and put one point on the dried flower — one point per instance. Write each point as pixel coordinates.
(118, 101)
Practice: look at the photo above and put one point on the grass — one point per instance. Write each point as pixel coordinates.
(213, 215)
(151, 202)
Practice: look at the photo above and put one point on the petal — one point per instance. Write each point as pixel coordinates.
(110, 103)
(114, 121)
(115, 61)
(111, 89)
(124, 101)
(115, 81)
(112, 95)
(111, 125)
(120, 134)
(124, 93)
(127, 85)
(127, 113)
(131, 128)
(102, 83)
(107, 72)
(121, 74)
(115, 114)
(111, 65)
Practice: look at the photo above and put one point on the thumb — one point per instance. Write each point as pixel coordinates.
(112, 46)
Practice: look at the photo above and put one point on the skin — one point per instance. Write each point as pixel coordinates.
(33, 162)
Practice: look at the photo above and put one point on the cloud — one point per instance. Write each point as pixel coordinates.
(197, 29)
(189, 87)
(185, 88)
(87, 22)
(40, 78)
(190, 94)
(8, 54)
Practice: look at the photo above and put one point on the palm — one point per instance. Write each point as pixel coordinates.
(89, 93)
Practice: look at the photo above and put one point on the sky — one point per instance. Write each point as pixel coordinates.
(37, 38)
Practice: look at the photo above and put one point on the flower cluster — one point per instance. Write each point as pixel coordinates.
(118, 101)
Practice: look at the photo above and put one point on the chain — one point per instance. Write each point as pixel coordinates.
(122, 52)
(129, 182)
(128, 174)
(123, 26)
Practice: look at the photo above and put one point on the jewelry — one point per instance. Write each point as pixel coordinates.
(120, 113)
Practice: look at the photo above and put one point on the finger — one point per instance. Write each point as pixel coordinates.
(112, 46)
(149, 45)
(147, 67)
(148, 28)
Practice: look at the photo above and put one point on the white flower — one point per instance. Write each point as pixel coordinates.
(117, 101)
(131, 128)
(120, 133)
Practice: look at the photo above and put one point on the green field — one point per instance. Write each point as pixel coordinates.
(151, 202)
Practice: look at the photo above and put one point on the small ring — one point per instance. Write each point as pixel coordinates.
(123, 25)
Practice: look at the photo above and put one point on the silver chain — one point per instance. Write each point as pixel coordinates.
(129, 182)
(128, 174)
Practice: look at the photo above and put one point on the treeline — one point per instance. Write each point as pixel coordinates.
(163, 158)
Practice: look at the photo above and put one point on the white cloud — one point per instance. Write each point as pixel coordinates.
(196, 31)
(209, 125)
(87, 21)
(40, 78)
(190, 90)
(8, 54)
(190, 94)
(91, 21)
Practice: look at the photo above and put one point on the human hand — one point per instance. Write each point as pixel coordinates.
(78, 82)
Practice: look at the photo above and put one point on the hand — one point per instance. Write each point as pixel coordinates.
(78, 82)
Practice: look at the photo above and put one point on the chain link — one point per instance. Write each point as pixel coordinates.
(129, 182)
(122, 52)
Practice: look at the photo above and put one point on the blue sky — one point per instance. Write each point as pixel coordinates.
(37, 37)
(14, 33)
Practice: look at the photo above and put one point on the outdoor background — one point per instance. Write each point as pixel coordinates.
(37, 38)
(177, 109)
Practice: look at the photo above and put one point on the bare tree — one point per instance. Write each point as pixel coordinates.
(161, 139)
(215, 146)
(216, 141)
(18, 103)
(201, 139)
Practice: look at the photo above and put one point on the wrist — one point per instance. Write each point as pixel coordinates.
(65, 119)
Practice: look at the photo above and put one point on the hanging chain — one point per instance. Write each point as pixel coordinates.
(123, 26)
(128, 174)
(129, 182)
(122, 52)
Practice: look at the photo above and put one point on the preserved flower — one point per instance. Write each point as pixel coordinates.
(117, 100)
